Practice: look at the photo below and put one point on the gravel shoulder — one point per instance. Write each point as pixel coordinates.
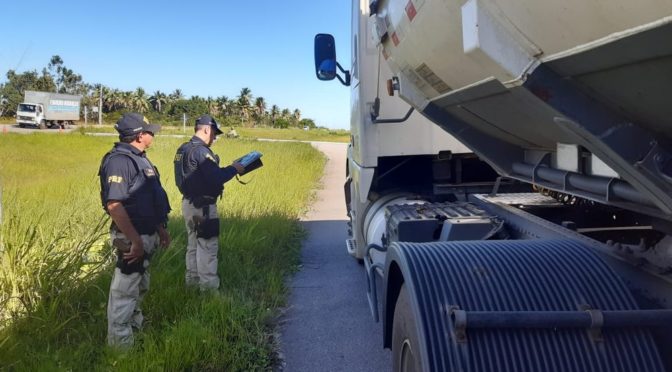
(327, 325)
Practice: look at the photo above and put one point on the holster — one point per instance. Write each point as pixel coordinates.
(202, 201)
(121, 245)
(205, 227)
(124, 246)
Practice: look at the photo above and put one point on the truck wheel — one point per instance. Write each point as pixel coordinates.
(43, 124)
(405, 346)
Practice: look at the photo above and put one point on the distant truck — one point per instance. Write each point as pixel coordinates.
(45, 109)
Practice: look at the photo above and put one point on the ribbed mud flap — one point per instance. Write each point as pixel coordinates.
(501, 280)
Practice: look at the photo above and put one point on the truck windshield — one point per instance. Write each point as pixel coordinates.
(26, 108)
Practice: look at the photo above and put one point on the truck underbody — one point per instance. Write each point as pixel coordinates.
(508, 255)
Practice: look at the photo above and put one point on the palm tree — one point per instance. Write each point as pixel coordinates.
(224, 104)
(275, 111)
(126, 100)
(139, 100)
(297, 115)
(244, 103)
(176, 95)
(157, 100)
(285, 113)
(245, 97)
(260, 107)
(117, 99)
(110, 99)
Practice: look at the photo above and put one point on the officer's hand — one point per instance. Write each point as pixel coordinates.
(136, 253)
(239, 167)
(164, 237)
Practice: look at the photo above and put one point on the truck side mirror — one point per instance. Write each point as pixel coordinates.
(325, 59)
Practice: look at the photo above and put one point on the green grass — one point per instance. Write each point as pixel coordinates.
(293, 134)
(288, 134)
(55, 268)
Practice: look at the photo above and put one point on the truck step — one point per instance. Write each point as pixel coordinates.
(527, 198)
(351, 246)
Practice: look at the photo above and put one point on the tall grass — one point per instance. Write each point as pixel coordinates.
(56, 267)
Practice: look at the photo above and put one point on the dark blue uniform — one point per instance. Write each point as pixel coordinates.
(127, 176)
(197, 172)
(201, 181)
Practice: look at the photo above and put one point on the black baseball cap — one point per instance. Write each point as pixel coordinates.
(134, 123)
(208, 120)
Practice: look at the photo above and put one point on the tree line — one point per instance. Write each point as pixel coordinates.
(167, 108)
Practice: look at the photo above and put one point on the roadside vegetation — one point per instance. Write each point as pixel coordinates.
(289, 134)
(55, 264)
(242, 111)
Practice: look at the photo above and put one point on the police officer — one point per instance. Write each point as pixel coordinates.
(132, 195)
(201, 181)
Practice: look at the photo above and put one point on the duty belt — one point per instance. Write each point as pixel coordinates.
(201, 201)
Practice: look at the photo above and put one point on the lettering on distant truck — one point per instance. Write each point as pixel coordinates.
(61, 105)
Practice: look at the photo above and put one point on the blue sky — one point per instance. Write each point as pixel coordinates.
(205, 48)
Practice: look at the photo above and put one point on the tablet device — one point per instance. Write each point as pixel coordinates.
(250, 161)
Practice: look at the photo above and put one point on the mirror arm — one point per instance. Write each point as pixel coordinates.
(345, 82)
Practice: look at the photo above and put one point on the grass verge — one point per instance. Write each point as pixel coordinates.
(56, 269)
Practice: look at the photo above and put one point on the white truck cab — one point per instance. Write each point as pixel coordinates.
(30, 114)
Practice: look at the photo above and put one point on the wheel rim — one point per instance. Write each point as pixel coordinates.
(407, 357)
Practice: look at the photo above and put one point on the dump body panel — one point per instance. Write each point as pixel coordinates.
(438, 41)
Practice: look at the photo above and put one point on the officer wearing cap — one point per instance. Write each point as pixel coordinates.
(201, 181)
(131, 193)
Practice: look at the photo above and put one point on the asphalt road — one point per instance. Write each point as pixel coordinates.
(327, 325)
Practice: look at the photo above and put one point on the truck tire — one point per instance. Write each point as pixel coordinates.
(43, 124)
(406, 355)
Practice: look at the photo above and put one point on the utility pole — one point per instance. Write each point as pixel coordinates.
(100, 106)
(86, 115)
(184, 122)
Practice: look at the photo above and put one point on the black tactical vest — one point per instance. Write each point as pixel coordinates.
(181, 163)
(147, 205)
(188, 179)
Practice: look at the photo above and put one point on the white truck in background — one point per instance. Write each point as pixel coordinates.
(509, 181)
(46, 109)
